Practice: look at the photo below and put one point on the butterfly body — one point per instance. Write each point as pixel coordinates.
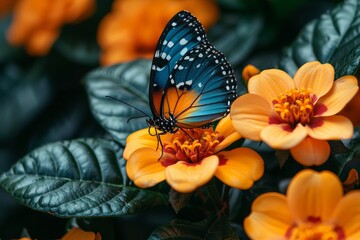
(191, 83)
(163, 124)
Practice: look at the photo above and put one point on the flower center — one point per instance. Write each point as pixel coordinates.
(295, 106)
(191, 145)
(314, 229)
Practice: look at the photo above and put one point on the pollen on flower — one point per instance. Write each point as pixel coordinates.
(191, 145)
(315, 230)
(295, 106)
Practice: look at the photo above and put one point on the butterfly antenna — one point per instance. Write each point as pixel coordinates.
(130, 118)
(145, 114)
(186, 133)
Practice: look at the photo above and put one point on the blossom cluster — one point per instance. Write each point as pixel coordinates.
(299, 115)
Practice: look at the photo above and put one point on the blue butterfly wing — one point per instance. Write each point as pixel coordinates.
(182, 33)
(200, 88)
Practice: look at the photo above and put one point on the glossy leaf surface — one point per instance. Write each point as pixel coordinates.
(127, 82)
(78, 178)
(332, 38)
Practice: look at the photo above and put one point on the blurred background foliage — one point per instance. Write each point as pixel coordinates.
(42, 93)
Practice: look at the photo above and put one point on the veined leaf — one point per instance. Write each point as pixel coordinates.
(78, 178)
(127, 82)
(213, 227)
(332, 38)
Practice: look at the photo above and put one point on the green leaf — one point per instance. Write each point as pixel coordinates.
(78, 178)
(232, 29)
(332, 38)
(78, 50)
(127, 82)
(213, 227)
(20, 101)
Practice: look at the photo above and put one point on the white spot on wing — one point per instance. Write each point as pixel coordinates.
(170, 44)
(183, 51)
(183, 41)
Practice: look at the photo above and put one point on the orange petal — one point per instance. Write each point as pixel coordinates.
(279, 136)
(311, 152)
(343, 90)
(140, 139)
(347, 215)
(249, 71)
(269, 84)
(225, 126)
(79, 10)
(240, 167)
(352, 177)
(226, 129)
(78, 234)
(250, 115)
(227, 141)
(144, 168)
(184, 177)
(41, 41)
(313, 194)
(316, 76)
(330, 128)
(269, 218)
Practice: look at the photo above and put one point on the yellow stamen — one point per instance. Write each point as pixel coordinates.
(294, 106)
(192, 146)
(317, 230)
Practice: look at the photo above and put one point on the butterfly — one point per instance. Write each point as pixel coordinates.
(191, 83)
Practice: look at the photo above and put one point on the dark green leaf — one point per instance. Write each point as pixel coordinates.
(214, 227)
(78, 178)
(236, 35)
(283, 8)
(20, 101)
(127, 82)
(178, 200)
(332, 38)
(78, 50)
(350, 159)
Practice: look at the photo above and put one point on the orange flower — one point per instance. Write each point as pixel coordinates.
(191, 157)
(6, 6)
(78, 234)
(133, 27)
(296, 114)
(36, 23)
(249, 71)
(313, 208)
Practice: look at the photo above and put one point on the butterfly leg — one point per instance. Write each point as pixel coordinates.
(160, 143)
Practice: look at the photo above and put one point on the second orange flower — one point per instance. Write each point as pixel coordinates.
(296, 113)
